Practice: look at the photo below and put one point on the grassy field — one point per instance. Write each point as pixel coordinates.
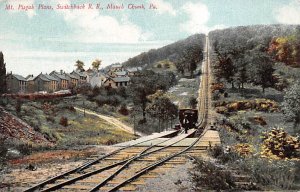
(239, 129)
(81, 130)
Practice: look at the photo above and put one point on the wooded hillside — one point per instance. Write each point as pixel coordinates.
(175, 52)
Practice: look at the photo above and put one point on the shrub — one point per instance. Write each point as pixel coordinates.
(63, 121)
(273, 173)
(142, 121)
(123, 110)
(207, 175)
(158, 65)
(216, 151)
(223, 156)
(50, 119)
(96, 91)
(216, 95)
(18, 106)
(109, 100)
(167, 66)
(3, 149)
(121, 91)
(279, 144)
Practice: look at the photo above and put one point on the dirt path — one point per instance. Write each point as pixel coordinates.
(113, 121)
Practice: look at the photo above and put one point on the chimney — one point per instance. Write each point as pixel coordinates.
(61, 72)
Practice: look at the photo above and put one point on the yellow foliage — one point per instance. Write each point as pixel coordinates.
(277, 144)
(243, 149)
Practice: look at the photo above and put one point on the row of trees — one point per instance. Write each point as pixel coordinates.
(95, 65)
(241, 54)
(185, 54)
(237, 65)
(246, 55)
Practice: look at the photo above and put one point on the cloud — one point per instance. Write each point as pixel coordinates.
(90, 26)
(288, 14)
(30, 13)
(198, 17)
(164, 7)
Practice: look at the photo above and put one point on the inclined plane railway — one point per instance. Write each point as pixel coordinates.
(123, 168)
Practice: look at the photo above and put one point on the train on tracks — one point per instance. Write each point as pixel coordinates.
(188, 119)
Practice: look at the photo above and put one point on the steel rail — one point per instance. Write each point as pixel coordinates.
(150, 167)
(72, 180)
(82, 167)
(203, 124)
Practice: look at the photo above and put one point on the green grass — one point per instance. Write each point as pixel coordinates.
(92, 130)
(88, 130)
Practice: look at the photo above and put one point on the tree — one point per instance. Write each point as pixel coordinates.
(263, 69)
(79, 64)
(2, 74)
(140, 87)
(193, 102)
(147, 83)
(63, 121)
(189, 58)
(291, 104)
(96, 64)
(225, 67)
(162, 108)
(242, 74)
(192, 67)
(18, 106)
(180, 64)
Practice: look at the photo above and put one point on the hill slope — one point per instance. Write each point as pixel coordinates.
(172, 52)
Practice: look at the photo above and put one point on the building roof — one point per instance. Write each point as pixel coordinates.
(42, 77)
(71, 76)
(58, 75)
(19, 77)
(121, 79)
(50, 77)
(134, 69)
(31, 78)
(81, 74)
(116, 65)
(120, 73)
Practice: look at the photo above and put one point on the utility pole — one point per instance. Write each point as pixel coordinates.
(83, 107)
(134, 122)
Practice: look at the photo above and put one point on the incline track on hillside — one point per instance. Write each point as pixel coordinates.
(125, 165)
(89, 163)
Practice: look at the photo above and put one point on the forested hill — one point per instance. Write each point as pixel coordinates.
(173, 52)
(251, 35)
(251, 54)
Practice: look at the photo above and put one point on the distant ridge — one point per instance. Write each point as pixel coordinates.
(171, 52)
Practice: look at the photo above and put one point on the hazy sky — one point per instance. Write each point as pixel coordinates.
(37, 41)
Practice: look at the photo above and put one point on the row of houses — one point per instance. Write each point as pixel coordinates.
(116, 76)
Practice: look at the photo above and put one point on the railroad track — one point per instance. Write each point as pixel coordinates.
(125, 168)
(96, 171)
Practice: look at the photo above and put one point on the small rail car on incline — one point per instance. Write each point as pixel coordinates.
(188, 118)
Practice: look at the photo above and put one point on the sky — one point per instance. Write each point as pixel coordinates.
(37, 40)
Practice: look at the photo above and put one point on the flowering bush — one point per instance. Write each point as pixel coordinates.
(278, 144)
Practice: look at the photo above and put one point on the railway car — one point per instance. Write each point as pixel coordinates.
(188, 118)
